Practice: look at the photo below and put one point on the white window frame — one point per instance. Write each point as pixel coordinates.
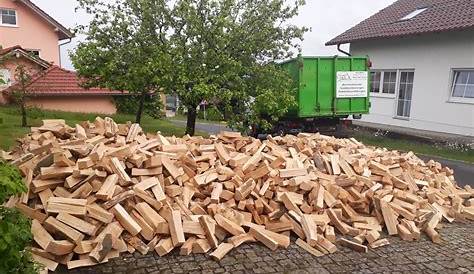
(9, 25)
(397, 91)
(382, 74)
(451, 98)
(4, 71)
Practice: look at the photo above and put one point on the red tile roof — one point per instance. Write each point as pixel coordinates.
(56, 81)
(440, 16)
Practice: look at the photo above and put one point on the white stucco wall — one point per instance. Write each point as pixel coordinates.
(432, 56)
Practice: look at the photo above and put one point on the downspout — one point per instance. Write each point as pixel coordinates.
(59, 46)
(342, 51)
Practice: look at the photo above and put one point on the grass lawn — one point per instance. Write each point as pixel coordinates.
(10, 121)
(466, 155)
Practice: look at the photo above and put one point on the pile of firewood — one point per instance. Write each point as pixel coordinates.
(98, 189)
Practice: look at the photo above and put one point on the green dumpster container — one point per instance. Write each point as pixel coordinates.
(328, 90)
(330, 87)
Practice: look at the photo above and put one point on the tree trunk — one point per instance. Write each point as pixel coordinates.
(191, 120)
(23, 113)
(138, 118)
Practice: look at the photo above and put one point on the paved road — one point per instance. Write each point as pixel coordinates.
(463, 172)
(454, 255)
(210, 128)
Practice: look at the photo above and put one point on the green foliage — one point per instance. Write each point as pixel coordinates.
(198, 49)
(11, 182)
(15, 234)
(212, 114)
(153, 105)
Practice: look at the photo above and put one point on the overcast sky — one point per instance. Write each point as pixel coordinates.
(326, 19)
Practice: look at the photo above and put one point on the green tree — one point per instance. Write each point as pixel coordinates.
(198, 49)
(20, 91)
(124, 47)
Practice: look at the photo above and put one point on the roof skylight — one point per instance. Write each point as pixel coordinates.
(413, 14)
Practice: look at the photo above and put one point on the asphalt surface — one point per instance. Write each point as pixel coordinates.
(463, 172)
(209, 128)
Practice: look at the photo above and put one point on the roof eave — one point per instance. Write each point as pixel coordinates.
(63, 32)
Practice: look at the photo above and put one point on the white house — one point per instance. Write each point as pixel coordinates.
(422, 55)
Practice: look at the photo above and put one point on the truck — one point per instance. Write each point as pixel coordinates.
(329, 89)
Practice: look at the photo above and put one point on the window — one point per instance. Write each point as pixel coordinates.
(4, 78)
(389, 82)
(463, 84)
(34, 52)
(413, 14)
(405, 90)
(375, 81)
(7, 17)
(383, 81)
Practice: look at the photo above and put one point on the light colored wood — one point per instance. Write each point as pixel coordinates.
(208, 230)
(389, 218)
(221, 251)
(263, 238)
(304, 245)
(176, 228)
(228, 225)
(77, 223)
(310, 229)
(48, 263)
(106, 191)
(64, 229)
(164, 246)
(353, 245)
(126, 220)
(240, 239)
(98, 213)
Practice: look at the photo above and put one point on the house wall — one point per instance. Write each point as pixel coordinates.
(432, 56)
(32, 32)
(11, 64)
(85, 104)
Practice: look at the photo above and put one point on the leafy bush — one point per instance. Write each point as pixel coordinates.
(15, 233)
(212, 114)
(153, 105)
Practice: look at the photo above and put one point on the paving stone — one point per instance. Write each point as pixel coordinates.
(455, 255)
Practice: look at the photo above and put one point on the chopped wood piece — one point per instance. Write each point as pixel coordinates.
(77, 223)
(304, 245)
(263, 238)
(126, 220)
(164, 246)
(353, 245)
(228, 225)
(389, 218)
(66, 230)
(221, 251)
(102, 248)
(208, 230)
(310, 230)
(176, 228)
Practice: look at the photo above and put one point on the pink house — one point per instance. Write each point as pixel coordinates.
(25, 24)
(32, 38)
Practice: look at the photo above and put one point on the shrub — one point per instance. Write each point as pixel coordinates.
(212, 114)
(15, 233)
(129, 104)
